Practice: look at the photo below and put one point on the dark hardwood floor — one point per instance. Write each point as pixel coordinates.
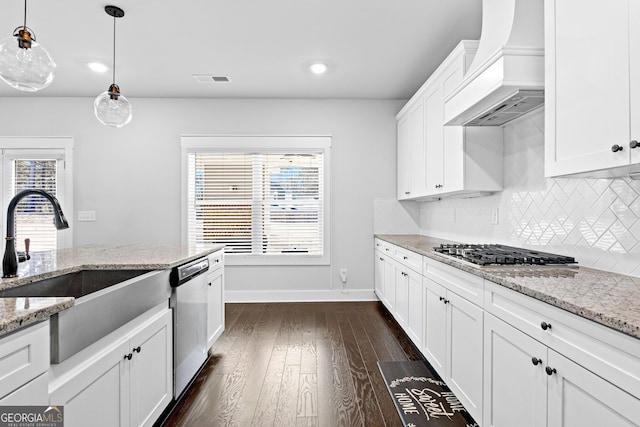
(298, 364)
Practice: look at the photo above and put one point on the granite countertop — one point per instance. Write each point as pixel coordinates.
(607, 298)
(18, 312)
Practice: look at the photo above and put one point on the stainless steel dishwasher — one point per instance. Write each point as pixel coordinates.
(189, 304)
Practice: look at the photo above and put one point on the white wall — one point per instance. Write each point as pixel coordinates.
(597, 221)
(131, 176)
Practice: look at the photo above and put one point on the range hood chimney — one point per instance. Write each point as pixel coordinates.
(506, 78)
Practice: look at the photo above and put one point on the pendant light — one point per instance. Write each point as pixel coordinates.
(24, 63)
(111, 107)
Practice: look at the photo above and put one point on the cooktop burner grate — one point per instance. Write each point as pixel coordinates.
(482, 254)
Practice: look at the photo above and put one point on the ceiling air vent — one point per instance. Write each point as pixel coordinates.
(206, 78)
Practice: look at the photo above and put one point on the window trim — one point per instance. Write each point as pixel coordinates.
(243, 144)
(31, 145)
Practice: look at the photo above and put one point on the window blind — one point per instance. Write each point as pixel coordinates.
(257, 203)
(34, 214)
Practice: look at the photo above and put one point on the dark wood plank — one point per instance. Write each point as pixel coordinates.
(297, 364)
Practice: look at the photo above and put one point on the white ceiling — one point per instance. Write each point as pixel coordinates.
(376, 49)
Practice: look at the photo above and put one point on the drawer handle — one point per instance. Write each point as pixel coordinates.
(550, 371)
(209, 283)
(138, 349)
(404, 274)
(387, 249)
(536, 361)
(634, 144)
(615, 148)
(441, 298)
(407, 192)
(545, 326)
(446, 301)
(381, 259)
(128, 356)
(405, 258)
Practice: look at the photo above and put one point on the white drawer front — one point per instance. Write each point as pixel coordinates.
(462, 283)
(23, 356)
(384, 247)
(604, 351)
(409, 259)
(216, 260)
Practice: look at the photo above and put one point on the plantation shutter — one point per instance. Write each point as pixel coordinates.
(34, 214)
(257, 203)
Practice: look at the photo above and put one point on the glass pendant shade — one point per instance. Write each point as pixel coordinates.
(112, 109)
(25, 64)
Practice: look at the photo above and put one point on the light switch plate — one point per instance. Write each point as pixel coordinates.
(86, 216)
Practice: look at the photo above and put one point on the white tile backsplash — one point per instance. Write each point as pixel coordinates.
(597, 221)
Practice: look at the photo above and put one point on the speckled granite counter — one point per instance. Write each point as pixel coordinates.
(607, 298)
(18, 312)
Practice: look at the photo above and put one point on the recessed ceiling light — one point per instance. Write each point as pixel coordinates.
(318, 68)
(98, 67)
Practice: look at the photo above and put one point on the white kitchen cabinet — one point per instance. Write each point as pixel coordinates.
(415, 315)
(592, 95)
(456, 160)
(453, 343)
(215, 297)
(401, 312)
(530, 385)
(411, 164)
(389, 284)
(379, 275)
(515, 383)
(435, 326)
(24, 358)
(122, 380)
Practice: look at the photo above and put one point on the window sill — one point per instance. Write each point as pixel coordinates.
(248, 260)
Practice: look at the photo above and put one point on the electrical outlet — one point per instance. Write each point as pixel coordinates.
(453, 215)
(343, 275)
(495, 214)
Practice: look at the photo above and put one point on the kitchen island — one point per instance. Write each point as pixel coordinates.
(18, 312)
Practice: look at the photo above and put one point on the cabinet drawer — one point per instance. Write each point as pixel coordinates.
(462, 283)
(604, 351)
(384, 247)
(216, 260)
(23, 356)
(408, 259)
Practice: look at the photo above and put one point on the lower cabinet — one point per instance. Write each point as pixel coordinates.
(529, 385)
(24, 361)
(453, 343)
(128, 383)
(215, 298)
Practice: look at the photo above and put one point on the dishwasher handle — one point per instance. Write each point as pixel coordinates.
(182, 274)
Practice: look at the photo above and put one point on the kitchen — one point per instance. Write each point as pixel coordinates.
(131, 177)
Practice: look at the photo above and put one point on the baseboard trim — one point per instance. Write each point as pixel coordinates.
(300, 296)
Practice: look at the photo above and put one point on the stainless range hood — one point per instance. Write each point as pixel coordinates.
(506, 78)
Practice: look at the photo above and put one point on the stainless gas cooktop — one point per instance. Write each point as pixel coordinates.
(501, 255)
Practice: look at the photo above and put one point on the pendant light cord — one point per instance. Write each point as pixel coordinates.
(114, 49)
(25, 15)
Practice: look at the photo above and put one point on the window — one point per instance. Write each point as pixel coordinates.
(44, 168)
(264, 198)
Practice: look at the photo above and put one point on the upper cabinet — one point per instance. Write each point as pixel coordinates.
(592, 121)
(437, 161)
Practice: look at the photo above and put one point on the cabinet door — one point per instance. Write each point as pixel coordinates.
(151, 371)
(434, 131)
(435, 328)
(464, 352)
(389, 285)
(215, 314)
(579, 398)
(414, 317)
(587, 85)
(411, 167)
(379, 275)
(515, 389)
(99, 394)
(402, 295)
(634, 52)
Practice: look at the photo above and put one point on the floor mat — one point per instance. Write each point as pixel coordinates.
(421, 397)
